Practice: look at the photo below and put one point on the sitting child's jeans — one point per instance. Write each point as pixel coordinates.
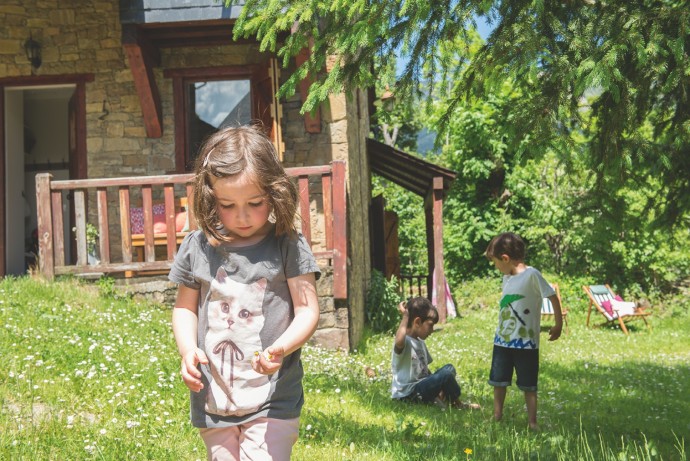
(428, 388)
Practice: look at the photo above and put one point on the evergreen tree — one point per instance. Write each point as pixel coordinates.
(623, 64)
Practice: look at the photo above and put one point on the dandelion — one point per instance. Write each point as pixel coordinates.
(468, 452)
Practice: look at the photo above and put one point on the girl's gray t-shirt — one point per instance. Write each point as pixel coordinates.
(244, 306)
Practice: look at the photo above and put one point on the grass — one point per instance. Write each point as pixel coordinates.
(93, 376)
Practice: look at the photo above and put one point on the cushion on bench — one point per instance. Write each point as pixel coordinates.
(136, 216)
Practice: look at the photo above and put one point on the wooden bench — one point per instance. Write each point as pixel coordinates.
(160, 238)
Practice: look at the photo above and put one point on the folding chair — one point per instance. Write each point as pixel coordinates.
(612, 307)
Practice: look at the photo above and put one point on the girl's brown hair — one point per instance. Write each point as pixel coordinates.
(232, 151)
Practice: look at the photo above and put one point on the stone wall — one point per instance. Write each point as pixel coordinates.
(79, 37)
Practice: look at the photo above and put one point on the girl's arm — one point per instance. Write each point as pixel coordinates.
(306, 306)
(184, 325)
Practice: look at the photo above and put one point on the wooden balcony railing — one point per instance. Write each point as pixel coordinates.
(414, 285)
(325, 227)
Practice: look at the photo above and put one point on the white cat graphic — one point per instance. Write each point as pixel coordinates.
(235, 319)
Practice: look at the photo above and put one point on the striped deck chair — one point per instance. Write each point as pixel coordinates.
(547, 308)
(612, 307)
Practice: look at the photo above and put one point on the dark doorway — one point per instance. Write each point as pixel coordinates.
(42, 130)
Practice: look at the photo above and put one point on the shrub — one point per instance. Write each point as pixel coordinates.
(382, 303)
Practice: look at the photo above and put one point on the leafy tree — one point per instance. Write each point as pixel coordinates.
(623, 64)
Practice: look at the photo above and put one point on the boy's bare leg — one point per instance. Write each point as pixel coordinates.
(499, 399)
(531, 402)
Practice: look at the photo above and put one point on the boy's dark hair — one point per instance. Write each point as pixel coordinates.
(506, 243)
(422, 308)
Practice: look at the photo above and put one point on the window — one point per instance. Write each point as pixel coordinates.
(212, 105)
(208, 99)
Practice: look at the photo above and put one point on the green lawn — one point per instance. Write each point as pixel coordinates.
(87, 376)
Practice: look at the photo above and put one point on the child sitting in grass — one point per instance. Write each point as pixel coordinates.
(412, 380)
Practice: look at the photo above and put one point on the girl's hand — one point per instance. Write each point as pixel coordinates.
(402, 307)
(269, 361)
(190, 370)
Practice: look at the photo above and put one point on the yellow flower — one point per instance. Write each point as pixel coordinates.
(468, 451)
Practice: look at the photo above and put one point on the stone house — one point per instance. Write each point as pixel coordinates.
(99, 89)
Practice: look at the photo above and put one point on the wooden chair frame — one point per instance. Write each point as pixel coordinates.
(595, 300)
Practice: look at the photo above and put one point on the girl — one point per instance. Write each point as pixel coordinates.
(246, 300)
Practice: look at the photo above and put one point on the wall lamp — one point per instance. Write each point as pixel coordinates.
(33, 52)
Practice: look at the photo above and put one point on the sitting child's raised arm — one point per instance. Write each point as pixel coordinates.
(402, 329)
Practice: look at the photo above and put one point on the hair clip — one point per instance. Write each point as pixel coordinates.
(207, 157)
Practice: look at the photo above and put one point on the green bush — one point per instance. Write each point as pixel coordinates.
(382, 303)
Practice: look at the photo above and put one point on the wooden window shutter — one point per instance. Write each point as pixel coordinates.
(312, 121)
(267, 107)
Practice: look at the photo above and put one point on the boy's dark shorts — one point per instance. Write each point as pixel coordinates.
(524, 361)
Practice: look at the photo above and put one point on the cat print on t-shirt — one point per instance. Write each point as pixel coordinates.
(235, 320)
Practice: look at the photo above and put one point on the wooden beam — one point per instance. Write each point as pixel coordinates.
(141, 57)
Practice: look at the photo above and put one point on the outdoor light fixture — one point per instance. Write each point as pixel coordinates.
(33, 52)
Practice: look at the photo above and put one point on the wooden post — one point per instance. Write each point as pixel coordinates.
(440, 276)
(433, 209)
(429, 227)
(339, 230)
(125, 225)
(103, 228)
(46, 261)
(80, 224)
(304, 211)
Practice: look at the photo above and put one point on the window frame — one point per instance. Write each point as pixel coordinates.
(183, 77)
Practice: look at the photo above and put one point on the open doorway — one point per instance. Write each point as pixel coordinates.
(37, 140)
